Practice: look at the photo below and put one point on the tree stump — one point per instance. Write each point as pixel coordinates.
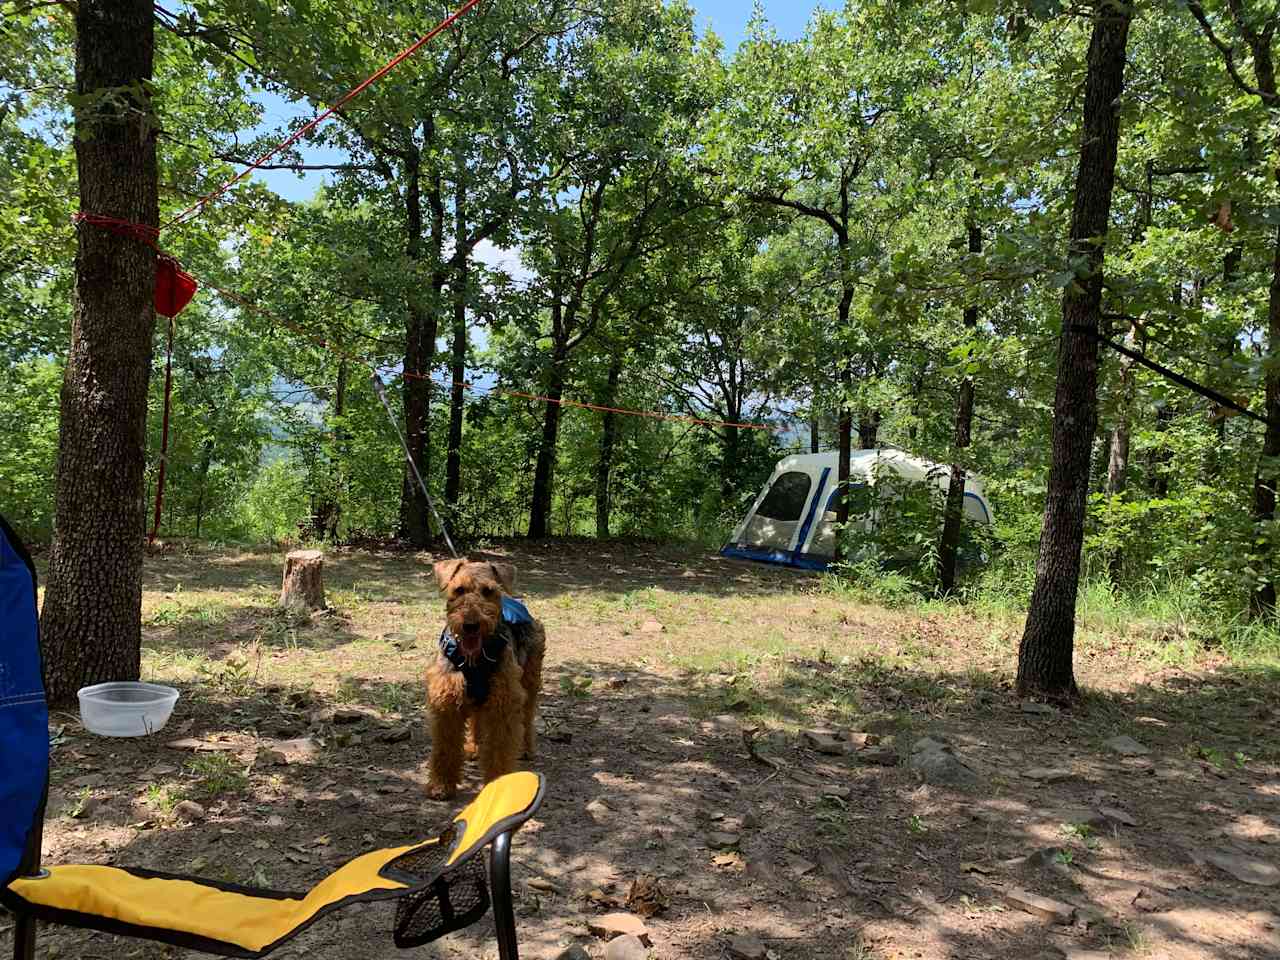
(303, 587)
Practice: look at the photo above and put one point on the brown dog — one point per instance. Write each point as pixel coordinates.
(487, 674)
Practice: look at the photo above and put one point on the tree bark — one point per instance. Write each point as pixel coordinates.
(92, 619)
(544, 471)
(844, 431)
(869, 429)
(608, 436)
(954, 515)
(458, 364)
(1045, 653)
(1262, 603)
(302, 586)
(813, 424)
(421, 329)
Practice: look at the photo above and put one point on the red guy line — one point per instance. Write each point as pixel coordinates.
(196, 208)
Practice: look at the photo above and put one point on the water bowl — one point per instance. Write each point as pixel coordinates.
(127, 708)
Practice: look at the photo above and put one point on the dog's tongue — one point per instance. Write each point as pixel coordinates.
(470, 645)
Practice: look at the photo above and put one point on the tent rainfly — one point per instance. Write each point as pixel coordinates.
(792, 521)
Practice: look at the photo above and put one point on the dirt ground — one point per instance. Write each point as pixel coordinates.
(679, 690)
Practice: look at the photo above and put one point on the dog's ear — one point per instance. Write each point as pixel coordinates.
(446, 570)
(505, 574)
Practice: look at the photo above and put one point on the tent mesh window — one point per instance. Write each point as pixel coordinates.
(786, 498)
(455, 896)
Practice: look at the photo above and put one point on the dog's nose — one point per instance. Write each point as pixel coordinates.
(470, 624)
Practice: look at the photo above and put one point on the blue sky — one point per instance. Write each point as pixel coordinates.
(728, 18)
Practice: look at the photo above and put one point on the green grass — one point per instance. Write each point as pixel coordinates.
(215, 775)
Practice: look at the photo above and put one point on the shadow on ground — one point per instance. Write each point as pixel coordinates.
(844, 856)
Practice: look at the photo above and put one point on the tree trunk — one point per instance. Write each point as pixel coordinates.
(608, 436)
(302, 587)
(92, 620)
(954, 515)
(844, 431)
(544, 471)
(1118, 462)
(458, 364)
(1263, 602)
(328, 512)
(421, 326)
(869, 429)
(813, 424)
(1045, 653)
(457, 397)
(206, 462)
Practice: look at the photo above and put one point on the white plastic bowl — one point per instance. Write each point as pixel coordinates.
(127, 708)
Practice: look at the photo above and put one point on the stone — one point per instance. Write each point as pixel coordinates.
(402, 641)
(825, 741)
(1245, 869)
(884, 756)
(573, 953)
(1048, 774)
(190, 743)
(1126, 746)
(613, 925)
(272, 758)
(1051, 910)
(348, 715)
(188, 811)
(651, 626)
(747, 948)
(626, 947)
(799, 865)
(616, 683)
(396, 734)
(937, 763)
(1032, 707)
(304, 748)
(543, 885)
(599, 811)
(1116, 815)
(722, 840)
(84, 809)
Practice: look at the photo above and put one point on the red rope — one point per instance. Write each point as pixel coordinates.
(289, 141)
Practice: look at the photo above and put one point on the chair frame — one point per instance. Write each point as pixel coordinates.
(504, 914)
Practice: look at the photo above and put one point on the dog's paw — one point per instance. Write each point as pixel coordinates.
(439, 791)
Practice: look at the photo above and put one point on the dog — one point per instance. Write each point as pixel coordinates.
(486, 676)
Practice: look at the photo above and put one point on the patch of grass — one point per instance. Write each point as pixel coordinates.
(398, 697)
(77, 802)
(576, 688)
(215, 775)
(236, 676)
(162, 799)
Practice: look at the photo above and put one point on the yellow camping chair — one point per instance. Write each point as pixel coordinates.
(439, 885)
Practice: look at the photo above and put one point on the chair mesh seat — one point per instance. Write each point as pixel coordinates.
(445, 898)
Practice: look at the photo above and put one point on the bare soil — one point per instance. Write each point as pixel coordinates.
(678, 689)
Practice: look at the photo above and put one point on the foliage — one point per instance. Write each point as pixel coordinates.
(623, 213)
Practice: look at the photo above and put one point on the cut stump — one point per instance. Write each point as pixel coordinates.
(303, 586)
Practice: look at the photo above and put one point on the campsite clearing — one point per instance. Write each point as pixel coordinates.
(678, 764)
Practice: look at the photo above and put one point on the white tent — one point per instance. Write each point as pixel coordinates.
(792, 521)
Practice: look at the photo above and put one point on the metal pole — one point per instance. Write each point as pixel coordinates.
(381, 391)
(504, 914)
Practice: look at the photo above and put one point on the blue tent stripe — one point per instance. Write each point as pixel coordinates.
(24, 717)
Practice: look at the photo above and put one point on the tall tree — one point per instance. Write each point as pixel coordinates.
(92, 618)
(1045, 653)
(1252, 38)
(948, 547)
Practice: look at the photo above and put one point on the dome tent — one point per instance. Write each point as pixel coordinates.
(792, 521)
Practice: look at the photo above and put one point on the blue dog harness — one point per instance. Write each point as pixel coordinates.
(510, 630)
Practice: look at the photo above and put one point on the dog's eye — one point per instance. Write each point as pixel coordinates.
(488, 591)
(457, 592)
